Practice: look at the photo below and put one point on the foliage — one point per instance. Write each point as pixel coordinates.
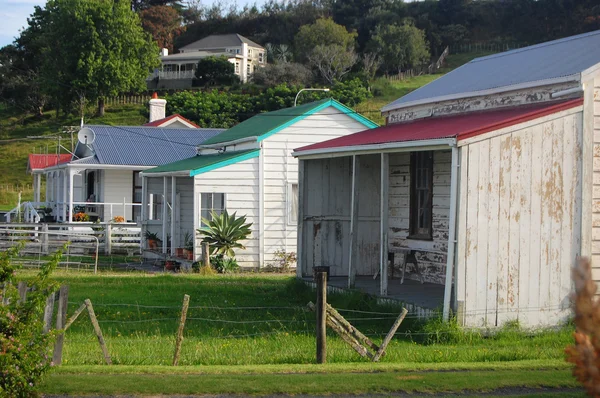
(332, 61)
(81, 217)
(139, 5)
(324, 32)
(213, 71)
(164, 23)
(224, 265)
(151, 236)
(284, 260)
(400, 46)
(91, 49)
(224, 232)
(24, 345)
(283, 72)
(188, 241)
(117, 219)
(278, 53)
(585, 353)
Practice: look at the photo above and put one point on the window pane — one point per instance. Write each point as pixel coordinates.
(421, 189)
(294, 204)
(219, 201)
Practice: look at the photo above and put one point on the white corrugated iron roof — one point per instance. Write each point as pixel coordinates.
(545, 63)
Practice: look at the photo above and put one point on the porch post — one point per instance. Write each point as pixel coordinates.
(173, 200)
(48, 186)
(353, 257)
(71, 175)
(64, 196)
(143, 211)
(300, 261)
(36, 187)
(383, 223)
(55, 193)
(164, 216)
(451, 233)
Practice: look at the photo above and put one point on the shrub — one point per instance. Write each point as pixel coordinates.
(223, 265)
(283, 260)
(25, 348)
(215, 71)
(281, 73)
(224, 232)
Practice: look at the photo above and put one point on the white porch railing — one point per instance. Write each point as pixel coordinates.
(106, 211)
(27, 211)
(173, 75)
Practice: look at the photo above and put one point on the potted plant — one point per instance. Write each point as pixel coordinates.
(188, 246)
(117, 219)
(81, 217)
(152, 239)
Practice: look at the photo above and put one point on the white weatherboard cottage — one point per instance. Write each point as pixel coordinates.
(487, 178)
(247, 169)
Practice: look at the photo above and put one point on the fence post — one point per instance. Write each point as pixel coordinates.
(48, 311)
(321, 316)
(45, 239)
(22, 288)
(179, 341)
(108, 239)
(205, 254)
(61, 318)
(98, 331)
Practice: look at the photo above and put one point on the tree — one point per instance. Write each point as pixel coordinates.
(215, 71)
(332, 61)
(164, 23)
(138, 5)
(282, 72)
(92, 48)
(400, 46)
(323, 32)
(370, 64)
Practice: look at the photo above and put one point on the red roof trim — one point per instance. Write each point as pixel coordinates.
(160, 122)
(460, 126)
(41, 161)
(563, 106)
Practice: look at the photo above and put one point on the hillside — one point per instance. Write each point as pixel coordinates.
(16, 127)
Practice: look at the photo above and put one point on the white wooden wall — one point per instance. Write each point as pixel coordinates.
(281, 169)
(239, 182)
(596, 184)
(519, 223)
(117, 186)
(432, 266)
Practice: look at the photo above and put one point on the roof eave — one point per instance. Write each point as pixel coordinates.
(437, 143)
(538, 83)
(228, 143)
(179, 173)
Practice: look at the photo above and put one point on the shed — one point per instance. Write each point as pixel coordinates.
(247, 169)
(490, 187)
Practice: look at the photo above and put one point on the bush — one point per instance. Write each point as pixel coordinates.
(215, 71)
(25, 348)
(224, 265)
(290, 73)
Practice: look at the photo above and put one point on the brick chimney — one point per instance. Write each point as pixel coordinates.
(157, 108)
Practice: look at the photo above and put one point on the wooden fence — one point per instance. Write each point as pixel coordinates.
(15, 187)
(491, 47)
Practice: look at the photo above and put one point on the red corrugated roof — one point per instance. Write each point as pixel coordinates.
(160, 122)
(459, 126)
(40, 161)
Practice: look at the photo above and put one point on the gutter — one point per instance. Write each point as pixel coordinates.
(228, 143)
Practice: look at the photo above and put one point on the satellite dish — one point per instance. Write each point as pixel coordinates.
(86, 136)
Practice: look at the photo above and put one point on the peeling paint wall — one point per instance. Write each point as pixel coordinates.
(495, 101)
(432, 266)
(519, 223)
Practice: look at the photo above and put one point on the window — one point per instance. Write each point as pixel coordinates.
(292, 203)
(136, 211)
(210, 202)
(421, 195)
(155, 206)
(237, 68)
(261, 57)
(249, 52)
(248, 70)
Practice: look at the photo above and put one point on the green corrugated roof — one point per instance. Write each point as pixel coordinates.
(203, 163)
(265, 124)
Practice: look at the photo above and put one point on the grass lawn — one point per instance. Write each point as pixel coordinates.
(257, 319)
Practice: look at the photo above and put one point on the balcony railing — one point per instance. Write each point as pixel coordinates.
(173, 75)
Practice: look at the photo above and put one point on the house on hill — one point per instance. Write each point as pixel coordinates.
(178, 70)
(484, 185)
(102, 177)
(246, 169)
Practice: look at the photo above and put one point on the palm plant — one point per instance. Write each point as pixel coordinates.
(225, 232)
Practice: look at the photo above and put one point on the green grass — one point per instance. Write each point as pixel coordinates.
(139, 316)
(475, 381)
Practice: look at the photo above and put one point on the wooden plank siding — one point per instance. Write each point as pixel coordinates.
(596, 185)
(518, 229)
(117, 186)
(433, 266)
(281, 170)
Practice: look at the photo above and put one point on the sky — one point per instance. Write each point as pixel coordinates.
(14, 13)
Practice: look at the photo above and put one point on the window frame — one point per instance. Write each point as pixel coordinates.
(200, 208)
(136, 210)
(414, 232)
(289, 202)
